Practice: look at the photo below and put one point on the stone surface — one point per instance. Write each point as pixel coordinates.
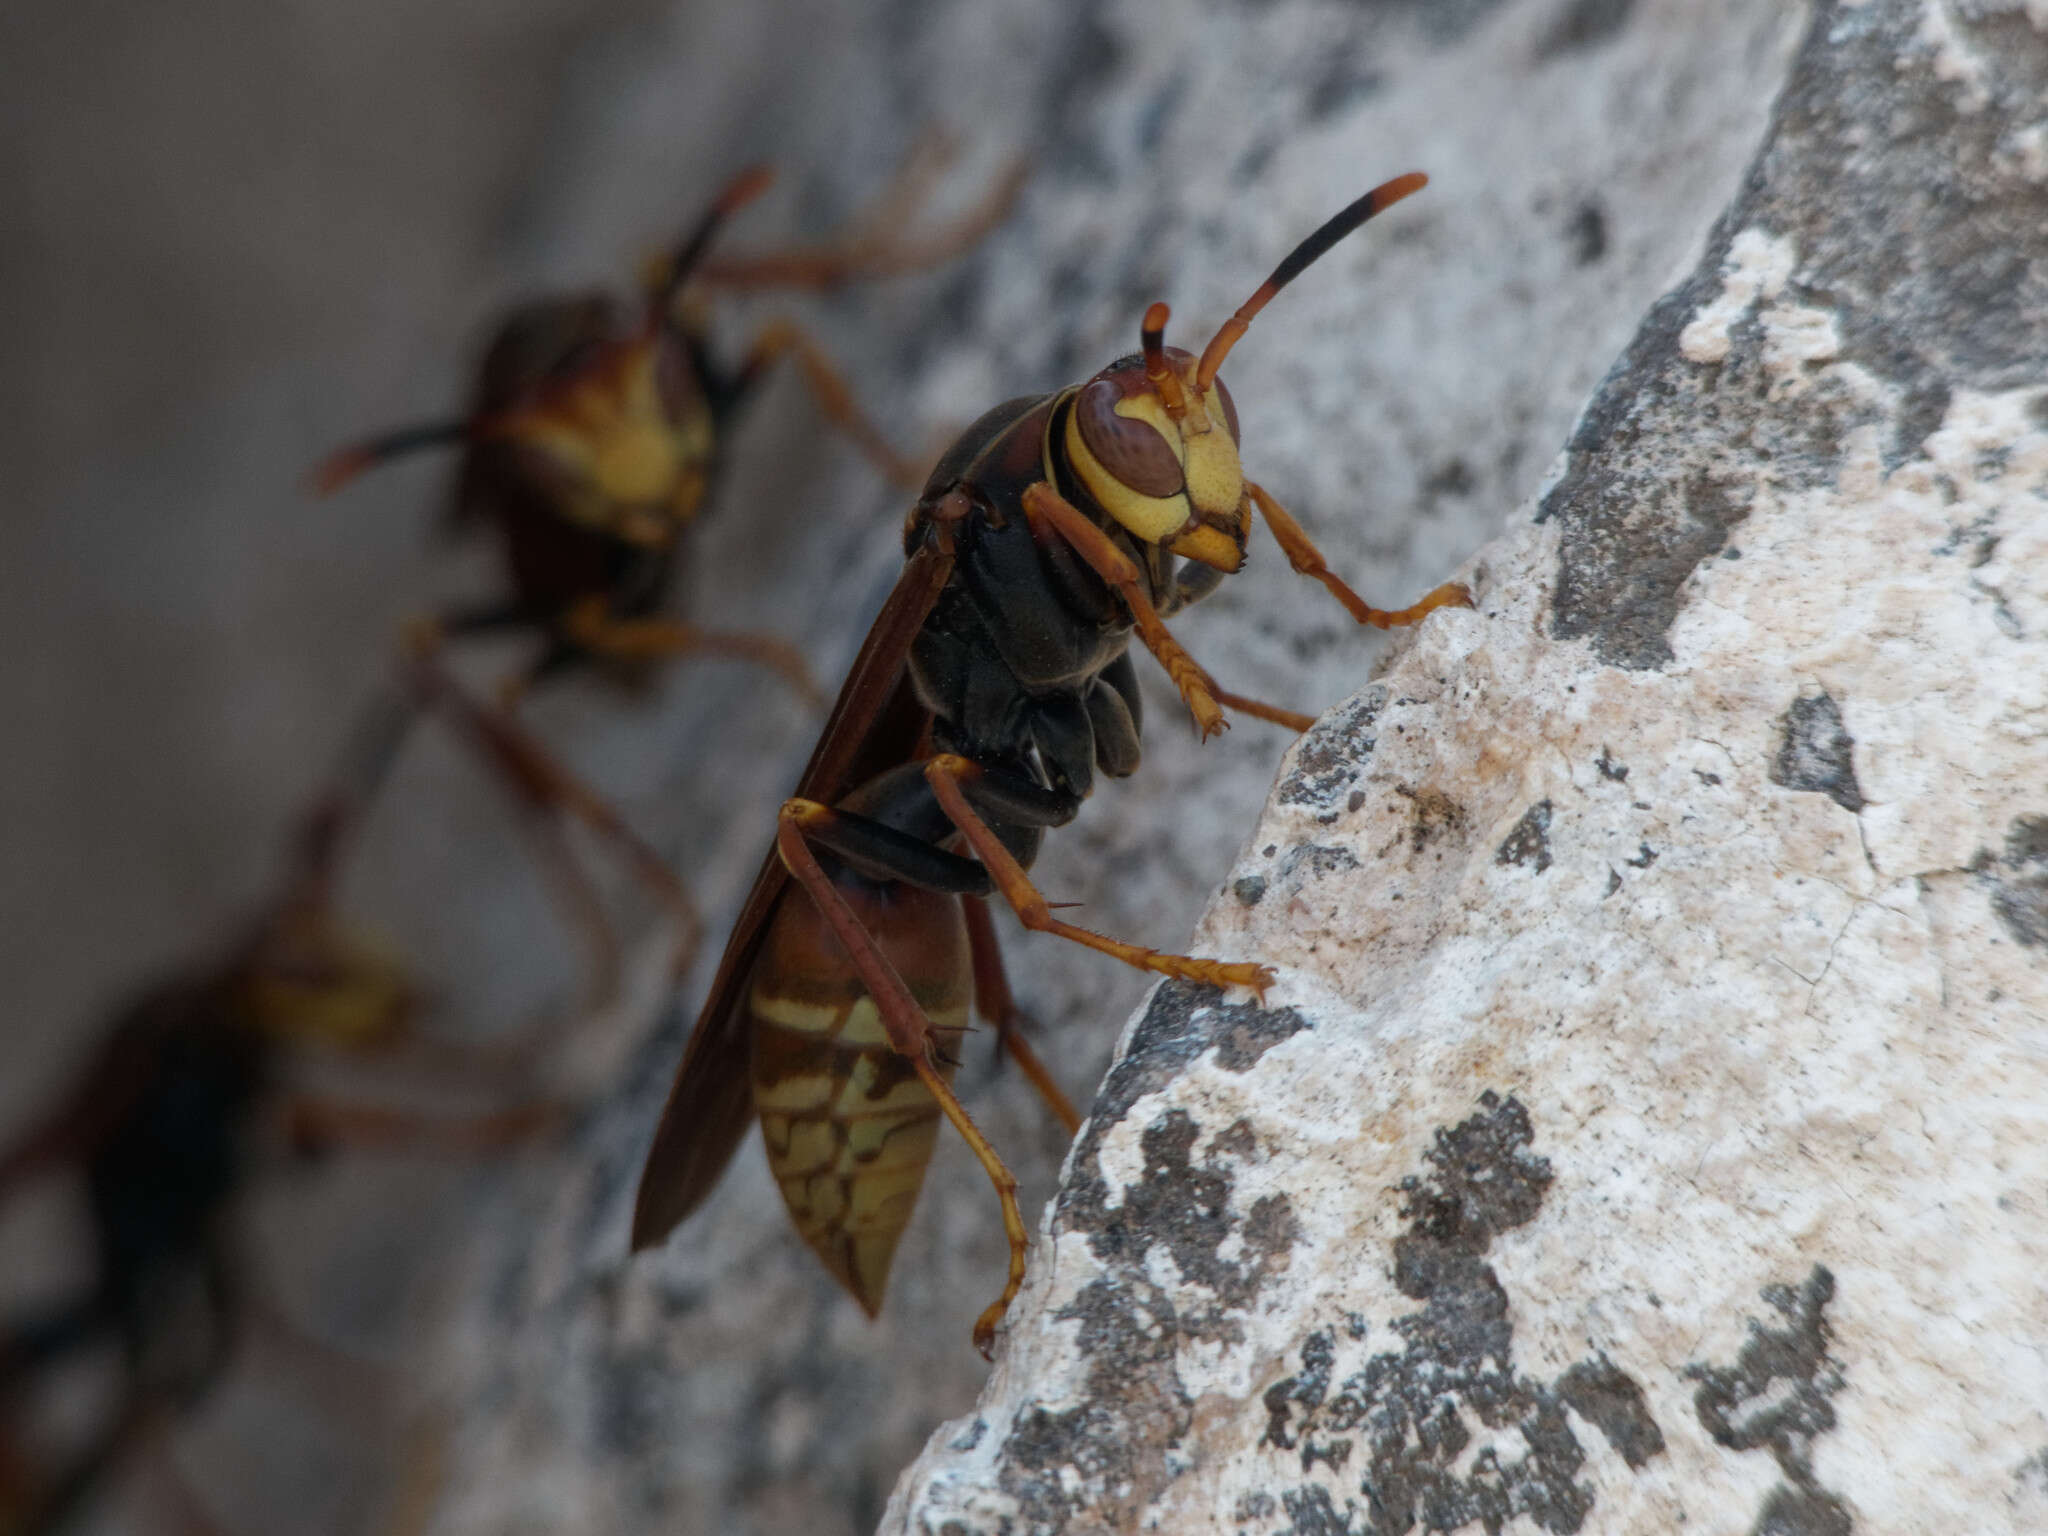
(1645, 1131)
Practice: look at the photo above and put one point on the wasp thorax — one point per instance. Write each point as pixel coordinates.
(1166, 470)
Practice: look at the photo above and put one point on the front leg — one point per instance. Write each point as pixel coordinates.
(1048, 508)
(1308, 561)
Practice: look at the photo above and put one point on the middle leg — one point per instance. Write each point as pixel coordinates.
(949, 774)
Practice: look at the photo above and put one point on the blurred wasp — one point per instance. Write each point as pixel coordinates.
(993, 686)
(592, 441)
(594, 435)
(166, 1126)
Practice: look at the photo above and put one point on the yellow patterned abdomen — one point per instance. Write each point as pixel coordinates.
(848, 1125)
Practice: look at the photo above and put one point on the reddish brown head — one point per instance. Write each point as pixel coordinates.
(1154, 438)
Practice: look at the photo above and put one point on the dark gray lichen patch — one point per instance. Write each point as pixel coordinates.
(1331, 757)
(1913, 223)
(1406, 1415)
(1183, 1021)
(2019, 882)
(1105, 1458)
(1314, 861)
(1775, 1397)
(1107, 1455)
(1816, 754)
(1529, 842)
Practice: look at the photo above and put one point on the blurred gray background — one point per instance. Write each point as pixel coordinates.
(237, 234)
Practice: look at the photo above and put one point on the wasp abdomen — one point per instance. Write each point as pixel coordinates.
(848, 1125)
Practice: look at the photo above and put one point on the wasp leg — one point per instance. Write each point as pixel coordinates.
(784, 338)
(948, 774)
(909, 1031)
(1191, 584)
(590, 627)
(1258, 709)
(315, 1124)
(994, 1001)
(1044, 504)
(1308, 561)
(547, 785)
(876, 248)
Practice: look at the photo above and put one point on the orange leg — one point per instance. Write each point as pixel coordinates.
(946, 772)
(877, 246)
(994, 1001)
(590, 626)
(1045, 505)
(1308, 561)
(910, 1033)
(1293, 719)
(548, 785)
(835, 397)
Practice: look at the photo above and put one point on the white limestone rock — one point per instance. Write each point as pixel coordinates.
(1646, 1132)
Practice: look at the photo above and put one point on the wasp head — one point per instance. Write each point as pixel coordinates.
(1157, 449)
(623, 441)
(1154, 437)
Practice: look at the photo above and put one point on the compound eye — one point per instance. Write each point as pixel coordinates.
(1133, 452)
(1229, 410)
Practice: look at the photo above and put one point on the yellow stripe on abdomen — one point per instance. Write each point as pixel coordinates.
(848, 1124)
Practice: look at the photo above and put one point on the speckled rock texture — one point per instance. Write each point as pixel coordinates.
(1646, 1132)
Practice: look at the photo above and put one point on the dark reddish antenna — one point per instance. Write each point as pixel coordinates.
(737, 193)
(1385, 195)
(338, 469)
(1158, 372)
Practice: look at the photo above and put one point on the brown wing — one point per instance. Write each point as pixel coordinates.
(875, 724)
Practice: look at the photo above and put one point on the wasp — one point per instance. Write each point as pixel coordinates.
(594, 433)
(995, 684)
(165, 1127)
(591, 443)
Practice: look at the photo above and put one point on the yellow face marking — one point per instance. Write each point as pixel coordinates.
(1212, 474)
(1151, 518)
(1215, 474)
